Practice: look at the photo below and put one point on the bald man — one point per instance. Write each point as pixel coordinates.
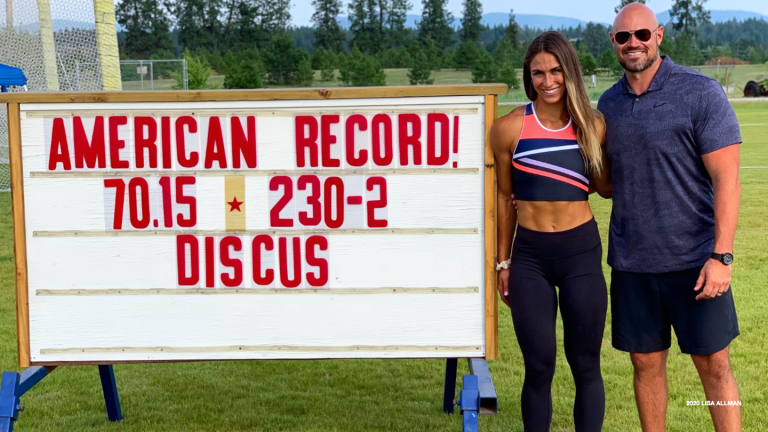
(672, 140)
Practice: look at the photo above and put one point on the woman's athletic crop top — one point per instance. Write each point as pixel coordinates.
(547, 164)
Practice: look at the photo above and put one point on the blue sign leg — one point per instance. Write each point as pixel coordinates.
(451, 365)
(111, 398)
(469, 401)
(9, 401)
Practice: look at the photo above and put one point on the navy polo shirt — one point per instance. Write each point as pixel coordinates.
(663, 201)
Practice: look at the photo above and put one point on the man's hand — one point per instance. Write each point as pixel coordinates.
(502, 285)
(514, 201)
(714, 280)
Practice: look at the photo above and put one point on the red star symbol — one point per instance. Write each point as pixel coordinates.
(235, 205)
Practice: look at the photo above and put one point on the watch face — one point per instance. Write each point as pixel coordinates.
(727, 259)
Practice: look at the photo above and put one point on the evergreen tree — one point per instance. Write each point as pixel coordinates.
(197, 22)
(397, 33)
(421, 70)
(248, 74)
(252, 22)
(508, 75)
(282, 59)
(687, 15)
(626, 2)
(587, 60)
(328, 33)
(361, 70)
(304, 73)
(198, 72)
(146, 27)
(512, 31)
(365, 25)
(485, 69)
(596, 38)
(436, 23)
(466, 54)
(471, 27)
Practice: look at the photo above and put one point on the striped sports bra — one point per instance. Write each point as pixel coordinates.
(547, 164)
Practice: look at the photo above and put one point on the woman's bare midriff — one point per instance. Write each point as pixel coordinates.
(552, 216)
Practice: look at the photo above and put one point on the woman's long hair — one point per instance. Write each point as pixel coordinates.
(576, 98)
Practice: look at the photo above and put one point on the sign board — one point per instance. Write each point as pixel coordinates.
(294, 228)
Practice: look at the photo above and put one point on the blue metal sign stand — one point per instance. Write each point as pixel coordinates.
(15, 385)
(477, 397)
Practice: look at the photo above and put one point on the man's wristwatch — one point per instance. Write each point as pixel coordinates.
(725, 258)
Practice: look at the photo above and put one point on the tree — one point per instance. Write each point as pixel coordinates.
(485, 69)
(248, 74)
(687, 15)
(361, 70)
(466, 54)
(282, 59)
(304, 73)
(506, 53)
(471, 27)
(197, 22)
(365, 25)
(397, 33)
(607, 61)
(508, 75)
(328, 33)
(146, 26)
(596, 38)
(435, 24)
(512, 31)
(587, 60)
(421, 70)
(626, 2)
(252, 22)
(198, 72)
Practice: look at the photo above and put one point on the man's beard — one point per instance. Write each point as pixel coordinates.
(640, 66)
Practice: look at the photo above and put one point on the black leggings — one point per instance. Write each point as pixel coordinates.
(570, 260)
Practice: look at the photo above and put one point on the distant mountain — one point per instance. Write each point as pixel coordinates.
(719, 16)
(494, 19)
(548, 21)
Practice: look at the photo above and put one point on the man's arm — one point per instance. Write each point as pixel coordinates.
(723, 168)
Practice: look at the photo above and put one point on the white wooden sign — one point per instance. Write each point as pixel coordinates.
(291, 229)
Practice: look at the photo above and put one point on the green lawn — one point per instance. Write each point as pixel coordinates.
(400, 395)
(737, 78)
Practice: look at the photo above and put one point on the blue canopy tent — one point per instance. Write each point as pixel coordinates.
(11, 76)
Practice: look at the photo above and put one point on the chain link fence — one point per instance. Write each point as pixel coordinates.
(61, 45)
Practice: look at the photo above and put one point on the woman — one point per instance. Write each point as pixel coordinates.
(550, 155)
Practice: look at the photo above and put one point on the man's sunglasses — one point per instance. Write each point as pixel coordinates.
(643, 35)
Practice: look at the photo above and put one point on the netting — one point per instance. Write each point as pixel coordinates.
(61, 45)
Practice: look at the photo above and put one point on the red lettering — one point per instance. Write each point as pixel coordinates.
(409, 140)
(91, 154)
(59, 146)
(181, 152)
(165, 123)
(242, 145)
(432, 158)
(214, 148)
(327, 139)
(182, 241)
(237, 244)
(304, 142)
(269, 274)
(353, 120)
(115, 143)
(283, 258)
(382, 154)
(209, 268)
(143, 142)
(321, 243)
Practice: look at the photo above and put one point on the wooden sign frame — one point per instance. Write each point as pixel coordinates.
(489, 92)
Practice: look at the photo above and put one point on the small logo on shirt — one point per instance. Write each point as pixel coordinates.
(658, 104)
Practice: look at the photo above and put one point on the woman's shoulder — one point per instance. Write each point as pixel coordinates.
(506, 129)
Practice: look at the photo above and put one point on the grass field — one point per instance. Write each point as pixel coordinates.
(737, 78)
(401, 395)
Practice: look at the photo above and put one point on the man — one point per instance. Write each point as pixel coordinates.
(672, 140)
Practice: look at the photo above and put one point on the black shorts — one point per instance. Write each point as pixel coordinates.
(644, 306)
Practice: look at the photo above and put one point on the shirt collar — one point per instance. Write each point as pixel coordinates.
(665, 69)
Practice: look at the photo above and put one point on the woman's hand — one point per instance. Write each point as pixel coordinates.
(502, 285)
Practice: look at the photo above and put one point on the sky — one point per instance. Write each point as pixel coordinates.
(598, 10)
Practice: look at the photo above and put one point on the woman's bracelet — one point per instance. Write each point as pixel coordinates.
(504, 265)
